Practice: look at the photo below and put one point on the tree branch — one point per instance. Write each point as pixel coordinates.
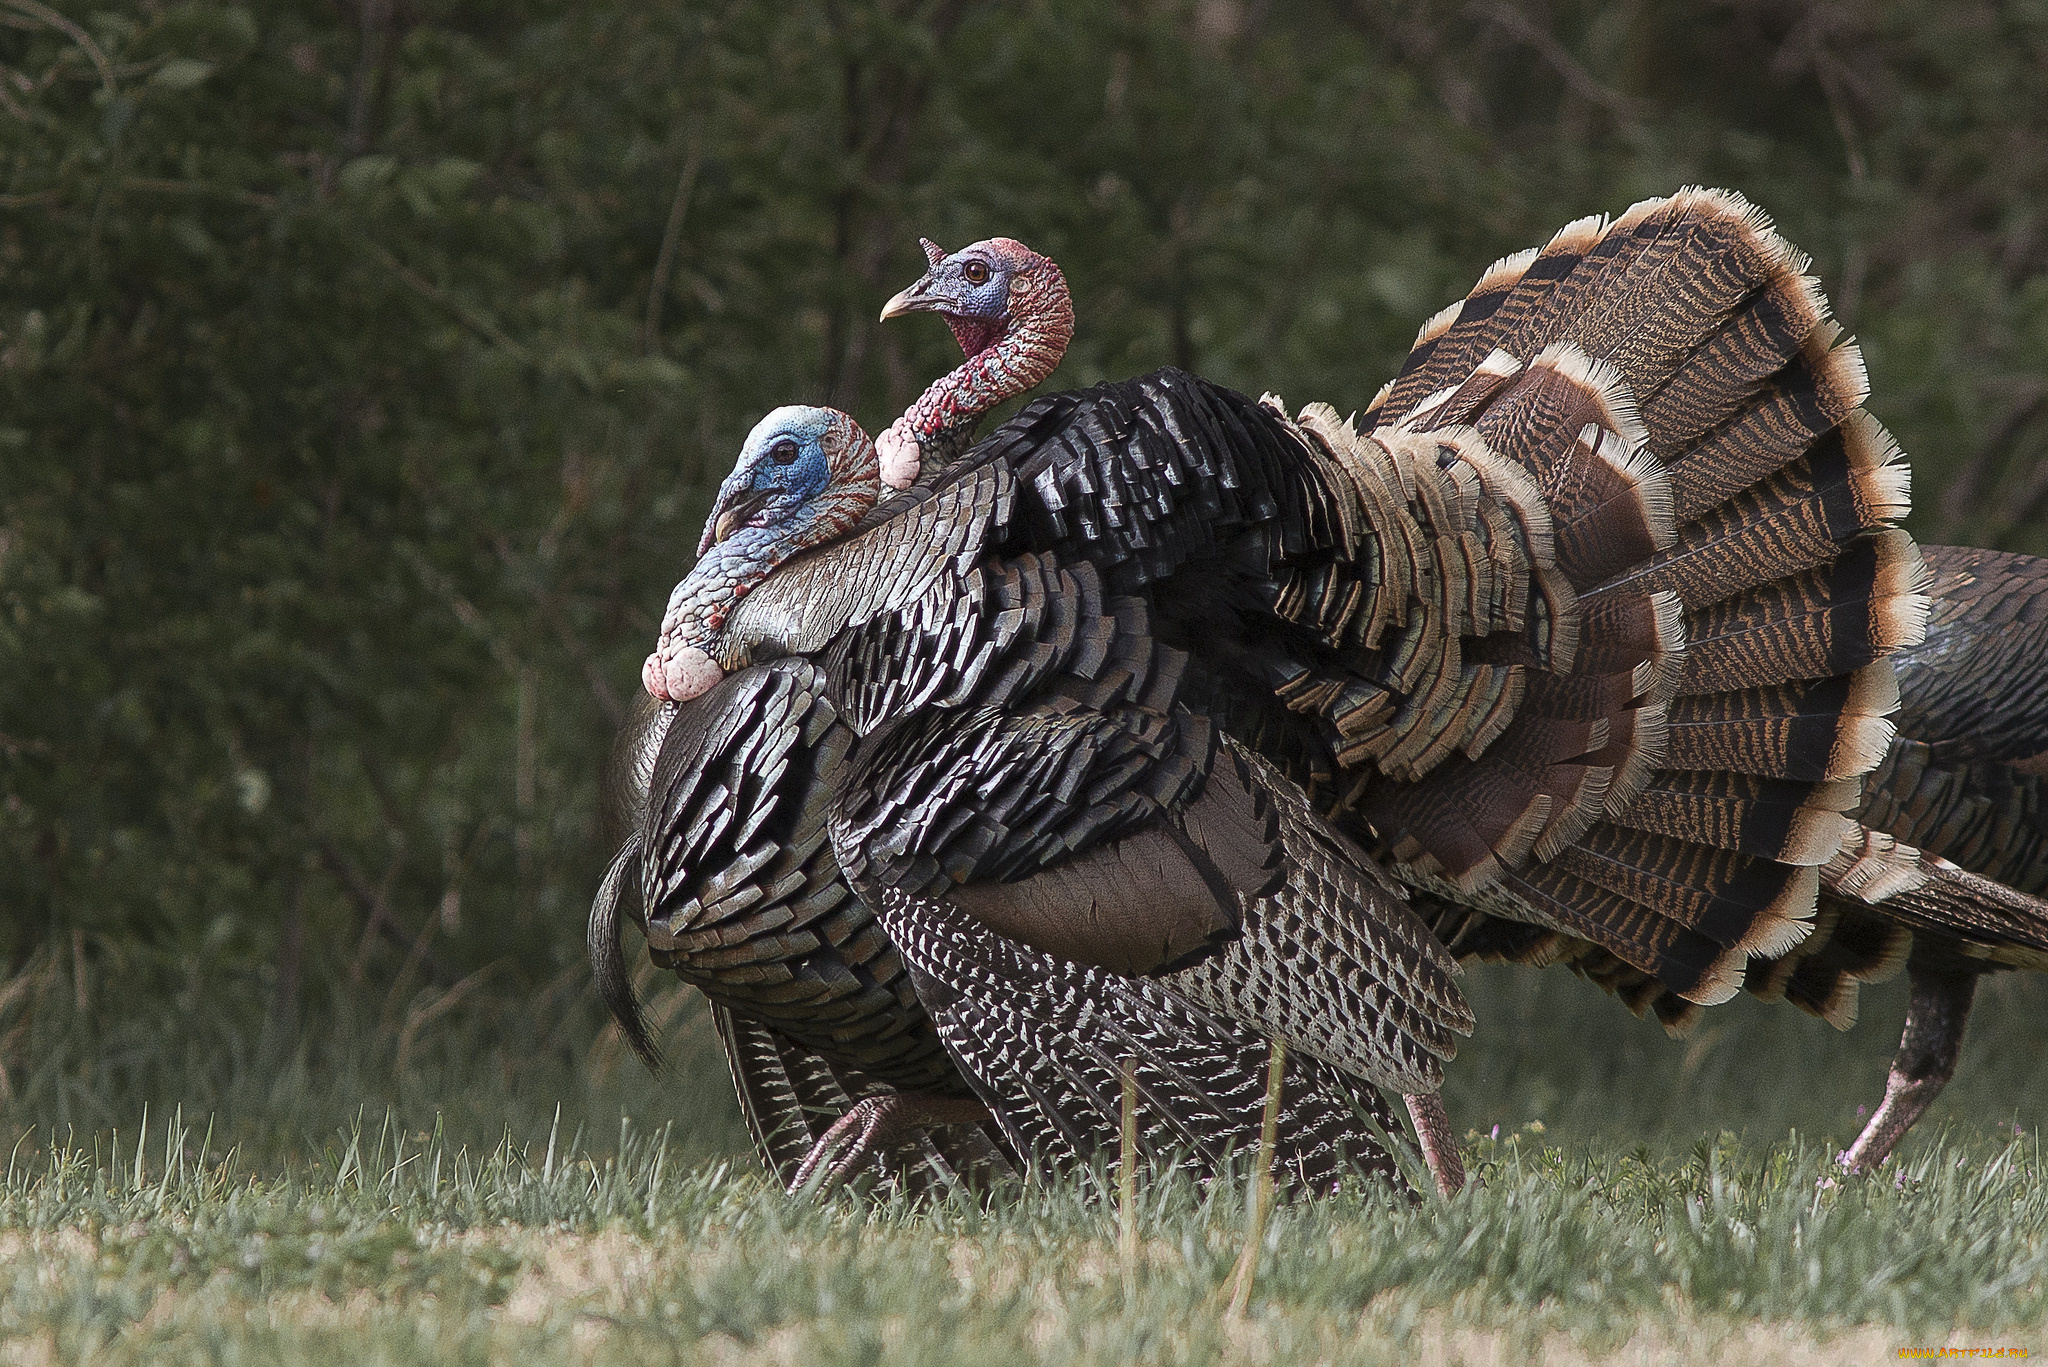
(468, 313)
(373, 903)
(1559, 59)
(36, 10)
(664, 260)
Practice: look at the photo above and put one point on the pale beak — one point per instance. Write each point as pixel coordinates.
(729, 519)
(916, 299)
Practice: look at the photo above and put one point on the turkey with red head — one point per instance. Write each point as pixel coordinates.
(1010, 311)
(1943, 869)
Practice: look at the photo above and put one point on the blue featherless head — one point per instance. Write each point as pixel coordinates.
(792, 458)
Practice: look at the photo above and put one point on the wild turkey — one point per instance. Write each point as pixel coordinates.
(1962, 783)
(1961, 799)
(837, 1062)
(1587, 631)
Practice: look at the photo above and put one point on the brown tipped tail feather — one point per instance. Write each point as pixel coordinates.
(1715, 586)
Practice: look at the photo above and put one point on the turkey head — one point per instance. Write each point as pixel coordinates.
(1010, 311)
(805, 476)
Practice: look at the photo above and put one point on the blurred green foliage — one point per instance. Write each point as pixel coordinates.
(366, 367)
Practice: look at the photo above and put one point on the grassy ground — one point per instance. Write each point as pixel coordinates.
(393, 1248)
(1645, 1200)
(1552, 1049)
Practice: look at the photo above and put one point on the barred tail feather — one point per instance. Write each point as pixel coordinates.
(1687, 962)
(1722, 512)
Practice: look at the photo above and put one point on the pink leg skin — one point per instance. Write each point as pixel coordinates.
(1926, 1060)
(873, 1125)
(1439, 1143)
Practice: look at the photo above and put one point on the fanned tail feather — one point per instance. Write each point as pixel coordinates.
(1713, 679)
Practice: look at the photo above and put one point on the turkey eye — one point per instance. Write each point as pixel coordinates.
(976, 273)
(782, 452)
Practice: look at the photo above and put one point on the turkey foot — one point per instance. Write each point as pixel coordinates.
(1438, 1141)
(872, 1124)
(1926, 1060)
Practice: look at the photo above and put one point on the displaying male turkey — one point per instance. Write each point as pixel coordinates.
(745, 898)
(1956, 783)
(1959, 800)
(1587, 631)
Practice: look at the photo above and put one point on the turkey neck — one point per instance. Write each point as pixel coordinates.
(735, 566)
(1025, 351)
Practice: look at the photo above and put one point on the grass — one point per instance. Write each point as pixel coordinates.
(76, 1064)
(1552, 1049)
(519, 1193)
(392, 1247)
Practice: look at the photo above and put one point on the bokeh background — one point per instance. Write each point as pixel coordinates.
(366, 368)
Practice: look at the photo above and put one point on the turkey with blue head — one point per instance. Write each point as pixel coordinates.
(733, 778)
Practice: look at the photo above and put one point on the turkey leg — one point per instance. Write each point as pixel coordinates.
(1439, 1143)
(873, 1124)
(1935, 1019)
